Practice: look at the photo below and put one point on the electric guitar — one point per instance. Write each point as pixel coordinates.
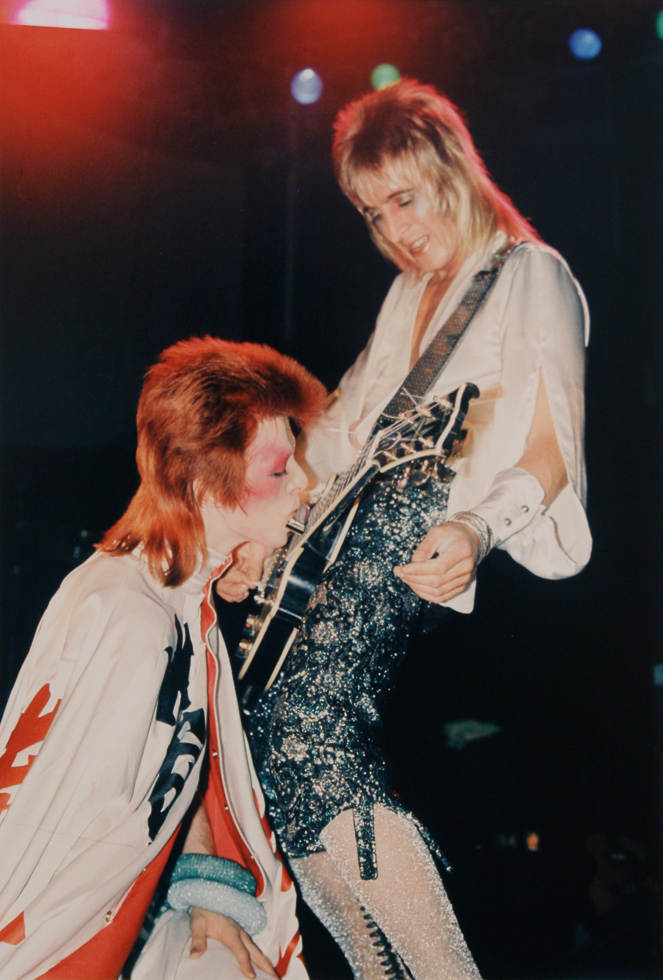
(413, 448)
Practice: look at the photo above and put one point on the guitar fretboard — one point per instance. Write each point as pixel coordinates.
(327, 502)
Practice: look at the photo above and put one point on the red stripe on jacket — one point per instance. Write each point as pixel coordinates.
(104, 955)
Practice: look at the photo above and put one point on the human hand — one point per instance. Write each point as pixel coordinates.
(212, 925)
(442, 565)
(244, 573)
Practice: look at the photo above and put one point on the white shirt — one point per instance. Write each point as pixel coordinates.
(535, 320)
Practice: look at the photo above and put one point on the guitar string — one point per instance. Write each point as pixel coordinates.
(368, 451)
(326, 503)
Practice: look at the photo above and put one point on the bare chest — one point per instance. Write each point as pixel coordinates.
(431, 298)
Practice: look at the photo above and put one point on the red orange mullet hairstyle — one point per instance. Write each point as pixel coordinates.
(198, 412)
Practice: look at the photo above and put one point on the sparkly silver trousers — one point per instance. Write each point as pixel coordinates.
(399, 924)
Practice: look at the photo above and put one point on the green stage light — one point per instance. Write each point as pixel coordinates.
(384, 75)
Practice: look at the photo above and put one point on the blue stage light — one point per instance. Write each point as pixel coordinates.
(306, 86)
(585, 44)
(659, 25)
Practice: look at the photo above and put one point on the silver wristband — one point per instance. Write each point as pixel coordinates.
(480, 527)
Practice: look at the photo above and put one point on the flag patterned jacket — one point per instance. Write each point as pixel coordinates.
(126, 688)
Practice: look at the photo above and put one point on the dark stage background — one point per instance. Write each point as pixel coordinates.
(159, 181)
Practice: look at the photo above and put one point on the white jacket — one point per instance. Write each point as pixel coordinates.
(101, 748)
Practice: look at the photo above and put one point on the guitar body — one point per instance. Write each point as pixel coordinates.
(414, 449)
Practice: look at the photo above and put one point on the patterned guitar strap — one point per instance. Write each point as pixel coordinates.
(426, 371)
(428, 368)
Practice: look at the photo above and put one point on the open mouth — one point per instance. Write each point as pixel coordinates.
(421, 244)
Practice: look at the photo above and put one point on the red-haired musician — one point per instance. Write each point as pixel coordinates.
(123, 723)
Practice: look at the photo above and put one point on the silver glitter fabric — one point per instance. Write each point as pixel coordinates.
(364, 945)
(416, 925)
(313, 734)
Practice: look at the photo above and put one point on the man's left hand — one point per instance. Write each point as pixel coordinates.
(244, 573)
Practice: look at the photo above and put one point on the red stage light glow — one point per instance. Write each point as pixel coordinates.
(88, 15)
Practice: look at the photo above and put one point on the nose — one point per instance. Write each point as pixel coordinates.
(393, 223)
(298, 480)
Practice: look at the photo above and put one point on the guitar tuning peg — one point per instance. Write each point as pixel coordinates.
(421, 474)
(443, 473)
(404, 478)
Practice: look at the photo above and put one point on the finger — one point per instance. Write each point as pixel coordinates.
(233, 586)
(237, 946)
(444, 593)
(436, 570)
(428, 546)
(258, 957)
(425, 569)
(234, 596)
(251, 573)
(437, 589)
(198, 935)
(446, 556)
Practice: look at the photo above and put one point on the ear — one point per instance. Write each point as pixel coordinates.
(198, 494)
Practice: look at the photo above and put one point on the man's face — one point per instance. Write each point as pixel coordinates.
(274, 482)
(404, 215)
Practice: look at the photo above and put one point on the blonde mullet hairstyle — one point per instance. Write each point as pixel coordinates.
(198, 412)
(411, 133)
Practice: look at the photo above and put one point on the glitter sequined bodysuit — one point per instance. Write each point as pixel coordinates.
(313, 734)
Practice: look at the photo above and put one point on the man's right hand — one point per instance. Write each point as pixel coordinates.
(244, 573)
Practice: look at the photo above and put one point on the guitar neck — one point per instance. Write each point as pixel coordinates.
(320, 511)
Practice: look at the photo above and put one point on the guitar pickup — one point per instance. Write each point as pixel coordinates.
(298, 521)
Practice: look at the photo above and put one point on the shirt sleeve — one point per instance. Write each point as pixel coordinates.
(546, 327)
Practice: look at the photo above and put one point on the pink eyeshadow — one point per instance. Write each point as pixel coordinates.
(264, 485)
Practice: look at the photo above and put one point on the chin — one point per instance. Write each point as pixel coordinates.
(276, 541)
